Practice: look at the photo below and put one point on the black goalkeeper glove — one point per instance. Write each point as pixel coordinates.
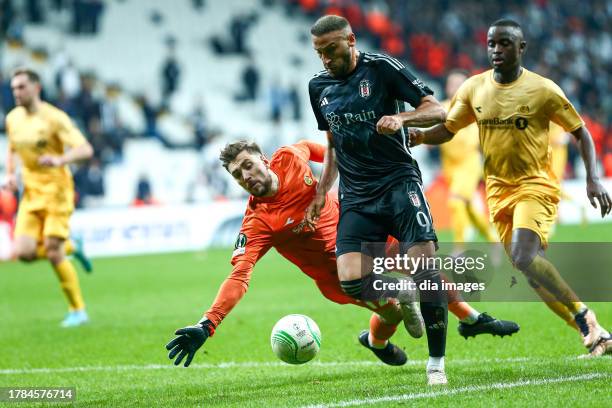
(189, 340)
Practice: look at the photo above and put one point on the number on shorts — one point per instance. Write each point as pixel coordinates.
(423, 220)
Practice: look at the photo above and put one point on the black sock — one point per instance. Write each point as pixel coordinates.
(434, 309)
(371, 287)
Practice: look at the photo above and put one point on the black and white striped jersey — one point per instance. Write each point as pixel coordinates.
(350, 107)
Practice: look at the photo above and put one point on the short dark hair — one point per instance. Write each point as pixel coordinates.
(328, 24)
(231, 150)
(31, 74)
(506, 22)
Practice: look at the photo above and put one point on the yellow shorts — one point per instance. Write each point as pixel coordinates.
(525, 206)
(41, 223)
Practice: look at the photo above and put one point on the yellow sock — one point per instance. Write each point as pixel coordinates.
(480, 223)
(69, 282)
(545, 274)
(41, 252)
(459, 219)
(557, 307)
(68, 247)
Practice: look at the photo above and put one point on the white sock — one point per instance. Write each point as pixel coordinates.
(472, 318)
(581, 310)
(370, 342)
(435, 363)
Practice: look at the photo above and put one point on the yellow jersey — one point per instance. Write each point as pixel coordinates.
(558, 150)
(32, 135)
(513, 122)
(463, 149)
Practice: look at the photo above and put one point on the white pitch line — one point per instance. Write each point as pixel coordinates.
(460, 390)
(259, 364)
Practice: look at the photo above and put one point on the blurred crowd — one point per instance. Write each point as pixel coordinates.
(107, 114)
(81, 16)
(569, 42)
(571, 45)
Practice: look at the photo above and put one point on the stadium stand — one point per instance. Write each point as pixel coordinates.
(108, 73)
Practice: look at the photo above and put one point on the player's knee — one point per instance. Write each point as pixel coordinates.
(25, 256)
(348, 271)
(533, 284)
(54, 253)
(522, 259)
(25, 249)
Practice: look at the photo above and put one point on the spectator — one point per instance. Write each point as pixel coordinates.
(34, 12)
(278, 97)
(89, 183)
(295, 101)
(7, 14)
(151, 115)
(86, 16)
(87, 106)
(112, 127)
(171, 73)
(6, 95)
(69, 79)
(250, 82)
(198, 123)
(198, 5)
(144, 194)
(239, 27)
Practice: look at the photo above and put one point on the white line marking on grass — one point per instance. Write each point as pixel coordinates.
(255, 364)
(461, 390)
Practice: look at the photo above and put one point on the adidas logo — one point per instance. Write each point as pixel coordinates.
(324, 102)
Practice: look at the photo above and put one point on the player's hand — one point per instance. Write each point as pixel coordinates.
(51, 161)
(189, 340)
(10, 182)
(596, 191)
(313, 211)
(415, 136)
(388, 125)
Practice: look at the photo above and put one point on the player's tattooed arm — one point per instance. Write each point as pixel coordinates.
(434, 136)
(595, 190)
(328, 178)
(428, 113)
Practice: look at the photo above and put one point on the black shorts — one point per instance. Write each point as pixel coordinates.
(401, 212)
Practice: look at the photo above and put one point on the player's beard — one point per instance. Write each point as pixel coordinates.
(26, 102)
(262, 188)
(23, 101)
(341, 70)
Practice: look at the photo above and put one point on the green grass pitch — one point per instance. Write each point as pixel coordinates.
(136, 303)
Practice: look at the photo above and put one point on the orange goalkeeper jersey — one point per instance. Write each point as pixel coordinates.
(278, 222)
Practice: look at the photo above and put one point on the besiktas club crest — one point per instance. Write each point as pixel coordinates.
(414, 199)
(364, 88)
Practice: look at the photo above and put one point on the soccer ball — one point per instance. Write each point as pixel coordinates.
(295, 339)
